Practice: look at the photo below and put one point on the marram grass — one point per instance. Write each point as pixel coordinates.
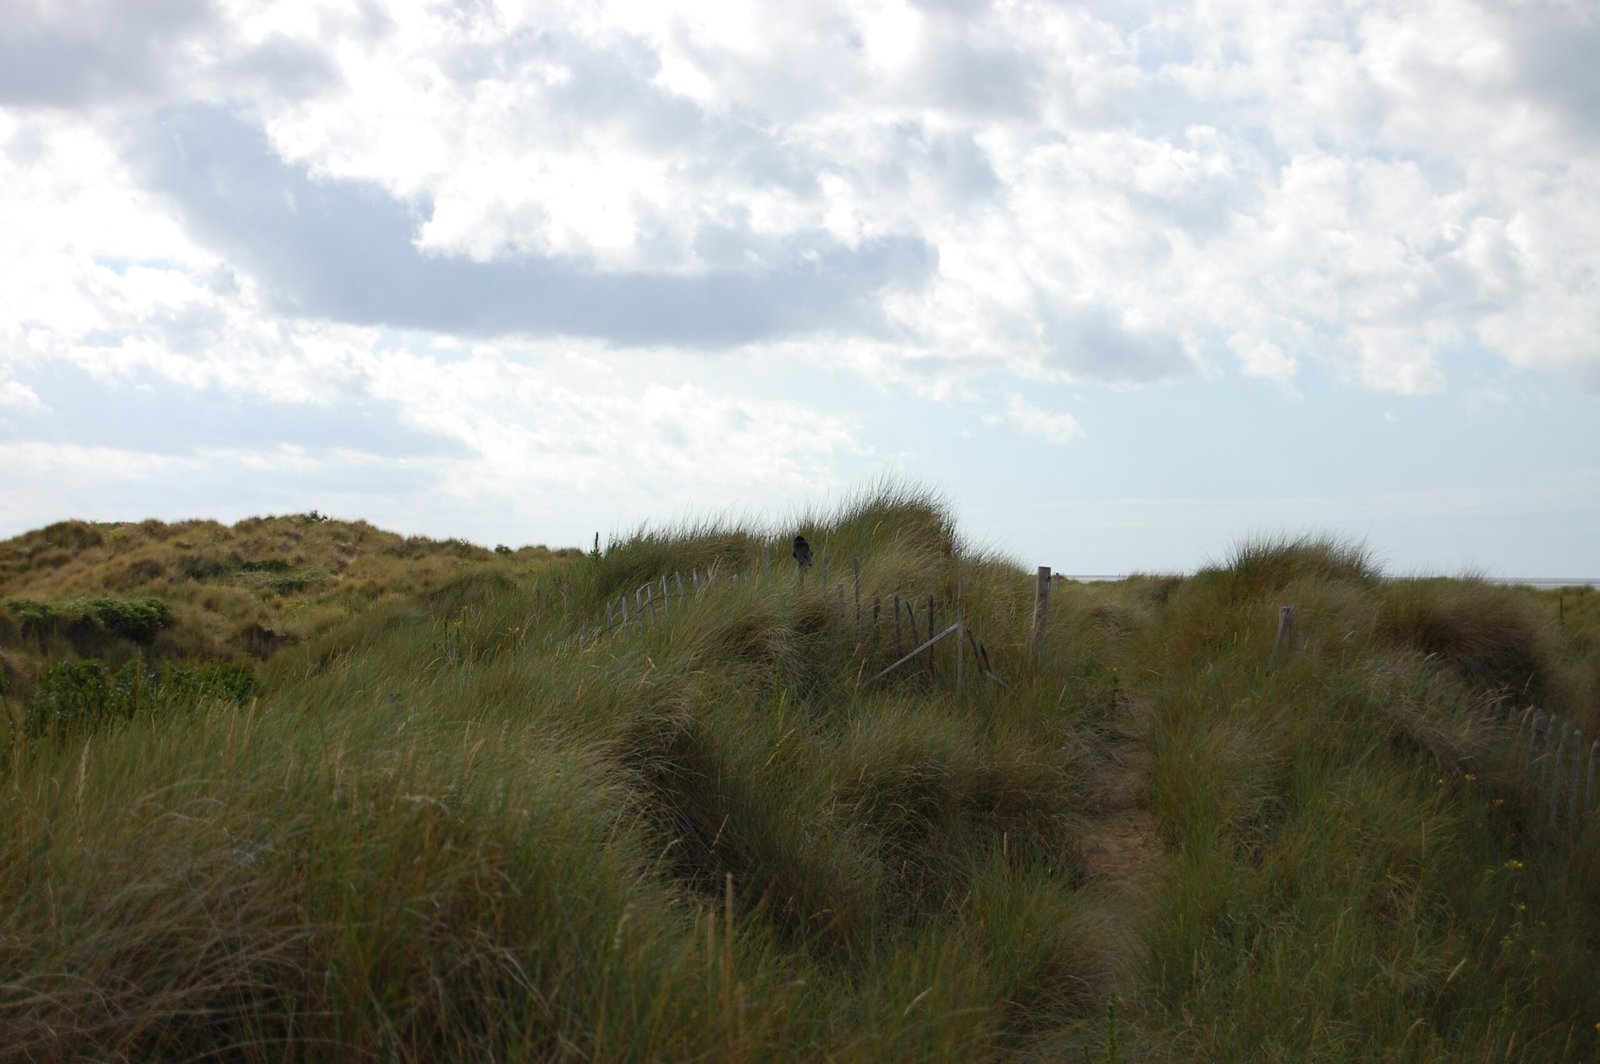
(448, 829)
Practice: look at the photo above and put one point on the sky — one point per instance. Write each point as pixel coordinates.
(1124, 282)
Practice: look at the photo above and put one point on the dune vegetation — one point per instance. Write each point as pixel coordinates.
(305, 790)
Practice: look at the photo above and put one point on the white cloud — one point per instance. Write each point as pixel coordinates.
(499, 223)
(1107, 200)
(1262, 358)
(1025, 419)
(15, 393)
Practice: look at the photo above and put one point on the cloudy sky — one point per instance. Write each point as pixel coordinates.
(1126, 280)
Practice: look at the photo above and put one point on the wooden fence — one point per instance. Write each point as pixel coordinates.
(1562, 770)
(913, 620)
(1560, 766)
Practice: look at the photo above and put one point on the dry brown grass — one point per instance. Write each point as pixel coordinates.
(244, 590)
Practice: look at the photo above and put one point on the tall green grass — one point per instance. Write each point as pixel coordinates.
(452, 830)
(449, 828)
(1359, 865)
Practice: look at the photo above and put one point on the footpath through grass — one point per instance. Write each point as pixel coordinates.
(447, 829)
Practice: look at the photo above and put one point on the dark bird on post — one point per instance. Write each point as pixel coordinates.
(802, 552)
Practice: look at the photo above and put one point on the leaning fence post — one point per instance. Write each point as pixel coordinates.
(1041, 613)
(608, 616)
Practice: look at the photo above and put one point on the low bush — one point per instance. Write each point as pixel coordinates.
(73, 699)
(86, 621)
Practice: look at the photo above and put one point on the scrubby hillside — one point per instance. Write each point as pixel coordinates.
(450, 826)
(200, 589)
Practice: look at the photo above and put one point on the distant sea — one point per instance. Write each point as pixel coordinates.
(1543, 583)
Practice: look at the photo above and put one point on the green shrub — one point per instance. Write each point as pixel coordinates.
(73, 699)
(88, 623)
(264, 565)
(208, 566)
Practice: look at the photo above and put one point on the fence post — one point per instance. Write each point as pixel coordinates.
(1285, 630)
(961, 642)
(666, 594)
(1536, 747)
(897, 626)
(1594, 756)
(858, 593)
(1575, 799)
(1560, 750)
(930, 633)
(1041, 613)
(624, 600)
(877, 603)
(608, 616)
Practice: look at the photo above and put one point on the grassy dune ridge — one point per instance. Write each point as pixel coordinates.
(445, 828)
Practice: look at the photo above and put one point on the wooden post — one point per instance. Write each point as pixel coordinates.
(1536, 746)
(1041, 613)
(666, 594)
(858, 593)
(961, 647)
(930, 632)
(924, 646)
(1575, 799)
(877, 604)
(1285, 630)
(1594, 757)
(608, 617)
(897, 644)
(624, 601)
(678, 579)
(583, 633)
(1555, 773)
